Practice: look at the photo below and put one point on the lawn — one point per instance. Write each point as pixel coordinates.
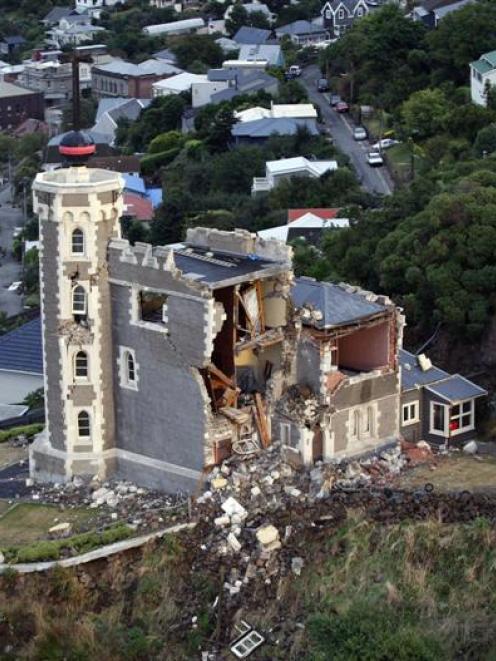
(10, 455)
(399, 159)
(454, 473)
(26, 522)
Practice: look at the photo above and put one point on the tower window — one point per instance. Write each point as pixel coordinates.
(78, 242)
(84, 425)
(78, 300)
(81, 365)
(130, 369)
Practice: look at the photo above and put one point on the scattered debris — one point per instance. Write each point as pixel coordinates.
(470, 447)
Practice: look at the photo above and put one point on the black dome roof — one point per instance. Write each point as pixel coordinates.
(77, 147)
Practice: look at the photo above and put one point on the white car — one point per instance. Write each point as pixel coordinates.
(17, 231)
(359, 133)
(374, 159)
(385, 143)
(15, 286)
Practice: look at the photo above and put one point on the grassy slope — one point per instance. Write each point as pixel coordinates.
(409, 591)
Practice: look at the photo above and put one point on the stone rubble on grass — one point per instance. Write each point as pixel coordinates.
(470, 447)
(60, 529)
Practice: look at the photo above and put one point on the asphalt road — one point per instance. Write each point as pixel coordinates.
(373, 180)
(10, 269)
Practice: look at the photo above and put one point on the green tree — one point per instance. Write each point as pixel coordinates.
(423, 113)
(220, 130)
(197, 48)
(485, 141)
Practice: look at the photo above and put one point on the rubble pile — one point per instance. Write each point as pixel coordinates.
(299, 403)
(120, 500)
(245, 517)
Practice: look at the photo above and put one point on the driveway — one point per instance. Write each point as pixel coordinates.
(374, 180)
(10, 269)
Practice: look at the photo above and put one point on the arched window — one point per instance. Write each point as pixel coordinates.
(356, 424)
(78, 300)
(81, 365)
(84, 425)
(130, 368)
(78, 242)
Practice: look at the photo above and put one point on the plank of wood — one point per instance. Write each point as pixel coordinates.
(262, 420)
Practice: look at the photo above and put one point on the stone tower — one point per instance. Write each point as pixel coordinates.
(78, 210)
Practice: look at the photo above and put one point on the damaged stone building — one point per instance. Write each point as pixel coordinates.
(162, 361)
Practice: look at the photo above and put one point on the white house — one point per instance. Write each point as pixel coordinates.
(177, 84)
(277, 111)
(482, 77)
(309, 226)
(286, 168)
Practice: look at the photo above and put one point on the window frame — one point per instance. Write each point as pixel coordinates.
(415, 418)
(453, 417)
(84, 309)
(432, 430)
(79, 377)
(83, 241)
(87, 426)
(125, 355)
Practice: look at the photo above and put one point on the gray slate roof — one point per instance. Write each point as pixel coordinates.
(451, 388)
(55, 14)
(21, 349)
(411, 374)
(247, 35)
(300, 27)
(338, 306)
(456, 388)
(264, 128)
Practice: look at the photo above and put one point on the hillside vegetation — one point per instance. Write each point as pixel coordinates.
(408, 591)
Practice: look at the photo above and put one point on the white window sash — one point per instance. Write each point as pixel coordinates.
(407, 420)
(460, 415)
(432, 430)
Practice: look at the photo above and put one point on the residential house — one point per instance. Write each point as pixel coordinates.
(251, 36)
(304, 33)
(287, 168)
(30, 126)
(261, 130)
(225, 84)
(277, 111)
(435, 406)
(182, 82)
(430, 12)
(270, 53)
(45, 73)
(94, 8)
(55, 14)
(18, 104)
(21, 367)
(125, 79)
(346, 397)
(310, 225)
(482, 77)
(10, 44)
(111, 110)
(73, 30)
(186, 26)
(140, 200)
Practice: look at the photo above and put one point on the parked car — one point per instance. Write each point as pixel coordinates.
(342, 106)
(334, 100)
(359, 133)
(17, 231)
(322, 85)
(294, 71)
(15, 286)
(374, 159)
(385, 143)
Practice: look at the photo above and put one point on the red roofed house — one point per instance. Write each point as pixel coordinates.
(324, 214)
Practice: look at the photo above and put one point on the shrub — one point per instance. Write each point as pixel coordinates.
(27, 430)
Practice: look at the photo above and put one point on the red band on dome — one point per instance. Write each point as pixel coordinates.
(83, 150)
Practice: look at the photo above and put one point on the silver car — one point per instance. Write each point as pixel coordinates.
(359, 133)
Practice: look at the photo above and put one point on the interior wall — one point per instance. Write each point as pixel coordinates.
(275, 306)
(365, 349)
(223, 353)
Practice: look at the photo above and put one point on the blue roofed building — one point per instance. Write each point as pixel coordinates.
(21, 367)
(252, 36)
(436, 407)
